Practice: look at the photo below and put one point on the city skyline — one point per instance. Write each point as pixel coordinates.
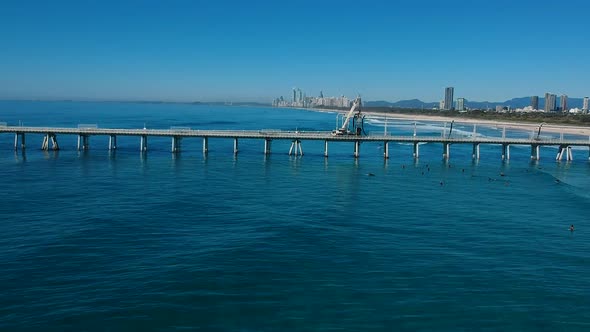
(534, 102)
(238, 51)
(301, 99)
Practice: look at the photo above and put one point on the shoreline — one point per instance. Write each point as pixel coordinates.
(552, 128)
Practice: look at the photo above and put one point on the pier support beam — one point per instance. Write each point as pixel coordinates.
(176, 142)
(446, 150)
(205, 145)
(357, 148)
(567, 150)
(83, 142)
(49, 137)
(416, 153)
(326, 149)
(295, 147)
(535, 152)
(475, 154)
(143, 144)
(386, 150)
(22, 141)
(112, 142)
(235, 146)
(267, 146)
(54, 145)
(505, 151)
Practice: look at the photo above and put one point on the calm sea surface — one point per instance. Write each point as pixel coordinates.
(100, 241)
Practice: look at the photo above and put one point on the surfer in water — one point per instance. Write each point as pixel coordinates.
(572, 228)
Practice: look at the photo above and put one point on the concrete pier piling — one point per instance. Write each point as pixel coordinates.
(143, 143)
(446, 150)
(475, 153)
(205, 145)
(295, 148)
(267, 147)
(505, 152)
(83, 142)
(49, 138)
(564, 150)
(176, 143)
(19, 136)
(535, 152)
(112, 142)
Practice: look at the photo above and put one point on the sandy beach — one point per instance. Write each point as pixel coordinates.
(550, 128)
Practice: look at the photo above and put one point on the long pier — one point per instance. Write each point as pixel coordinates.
(178, 134)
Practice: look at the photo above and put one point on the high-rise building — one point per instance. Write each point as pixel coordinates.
(535, 102)
(294, 95)
(460, 104)
(449, 98)
(585, 107)
(563, 103)
(547, 108)
(550, 102)
(441, 105)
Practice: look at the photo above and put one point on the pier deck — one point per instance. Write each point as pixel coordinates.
(296, 136)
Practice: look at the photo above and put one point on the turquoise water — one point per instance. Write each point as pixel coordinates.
(99, 241)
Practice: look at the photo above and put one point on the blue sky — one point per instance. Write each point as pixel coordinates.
(256, 50)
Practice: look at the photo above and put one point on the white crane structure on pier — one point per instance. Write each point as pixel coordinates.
(356, 106)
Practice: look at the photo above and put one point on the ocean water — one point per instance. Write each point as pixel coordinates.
(124, 241)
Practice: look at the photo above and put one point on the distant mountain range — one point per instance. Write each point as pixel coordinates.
(513, 103)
